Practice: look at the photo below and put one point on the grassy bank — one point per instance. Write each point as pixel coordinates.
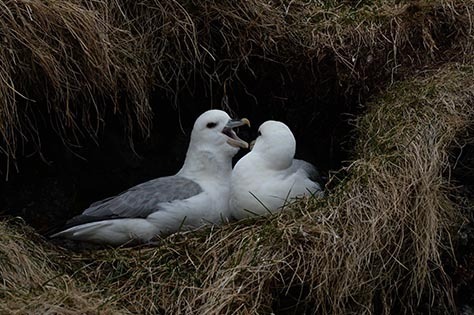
(380, 242)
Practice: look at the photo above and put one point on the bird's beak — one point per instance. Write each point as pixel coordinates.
(233, 123)
(252, 144)
(233, 139)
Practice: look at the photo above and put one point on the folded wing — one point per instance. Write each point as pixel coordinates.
(139, 201)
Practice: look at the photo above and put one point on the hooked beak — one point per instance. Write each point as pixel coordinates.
(233, 139)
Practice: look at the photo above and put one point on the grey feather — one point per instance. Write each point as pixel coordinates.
(309, 168)
(139, 201)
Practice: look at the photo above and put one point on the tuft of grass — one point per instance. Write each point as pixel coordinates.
(65, 65)
(34, 281)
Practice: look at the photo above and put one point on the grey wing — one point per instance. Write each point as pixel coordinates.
(139, 201)
(309, 168)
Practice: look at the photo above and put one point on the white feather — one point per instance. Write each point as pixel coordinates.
(265, 179)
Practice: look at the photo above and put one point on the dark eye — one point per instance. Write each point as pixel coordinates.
(211, 125)
(259, 133)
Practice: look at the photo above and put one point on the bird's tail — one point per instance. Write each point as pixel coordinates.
(77, 231)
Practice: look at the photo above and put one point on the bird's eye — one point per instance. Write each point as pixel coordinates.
(211, 125)
(259, 133)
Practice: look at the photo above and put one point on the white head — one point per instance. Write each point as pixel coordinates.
(275, 144)
(212, 131)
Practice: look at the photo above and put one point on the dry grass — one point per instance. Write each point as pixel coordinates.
(374, 245)
(33, 281)
(62, 63)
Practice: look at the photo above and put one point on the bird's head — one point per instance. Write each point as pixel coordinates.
(214, 130)
(275, 144)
